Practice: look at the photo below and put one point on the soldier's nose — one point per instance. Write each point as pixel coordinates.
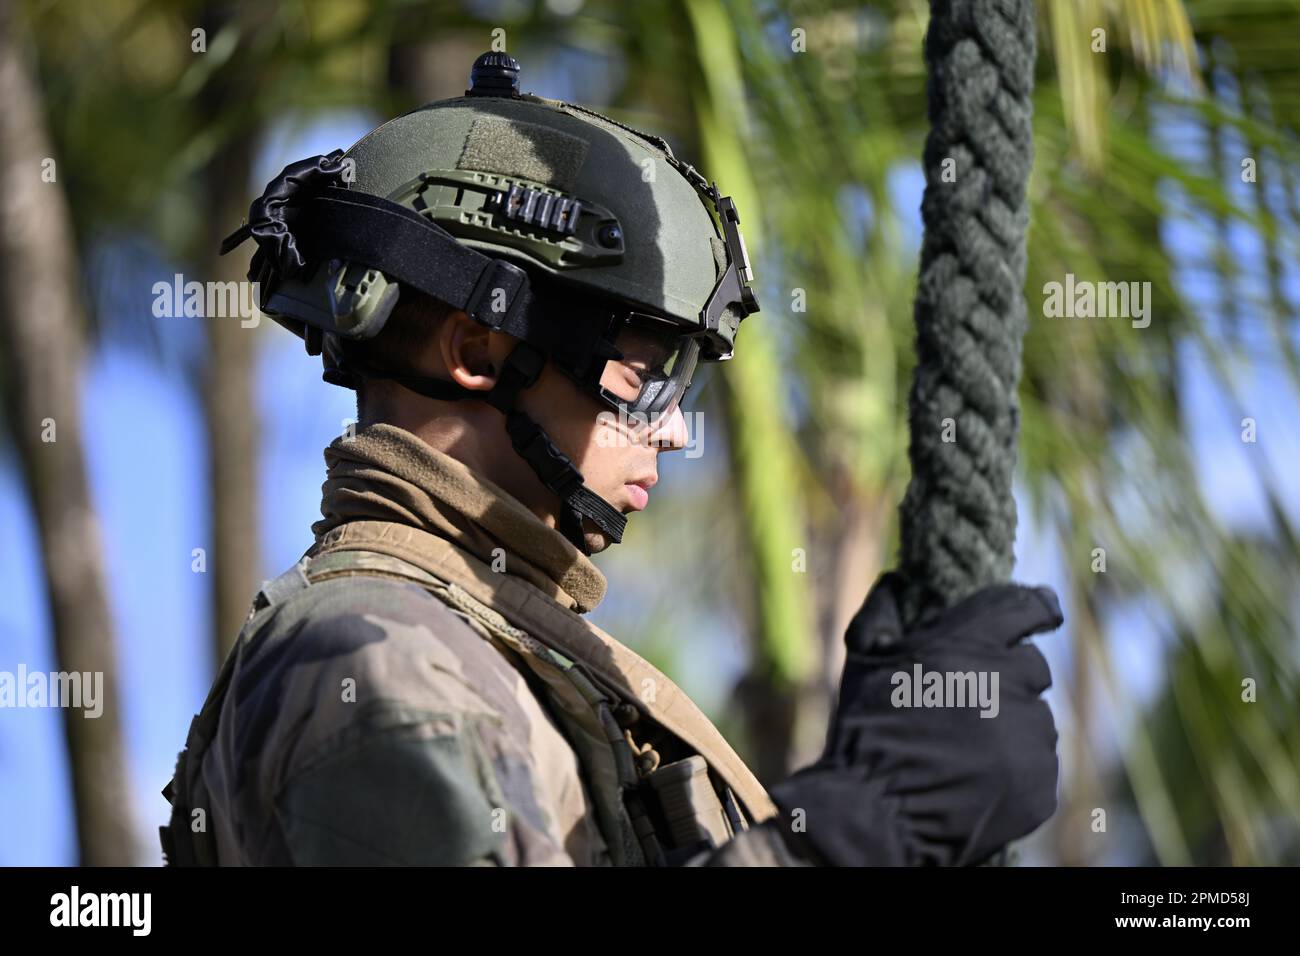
(668, 433)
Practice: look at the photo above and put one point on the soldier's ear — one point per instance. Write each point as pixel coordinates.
(466, 351)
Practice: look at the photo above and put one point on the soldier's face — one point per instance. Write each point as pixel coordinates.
(617, 454)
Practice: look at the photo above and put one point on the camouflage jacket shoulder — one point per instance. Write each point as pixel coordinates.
(366, 722)
(369, 720)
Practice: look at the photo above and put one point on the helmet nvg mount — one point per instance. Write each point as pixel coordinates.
(582, 237)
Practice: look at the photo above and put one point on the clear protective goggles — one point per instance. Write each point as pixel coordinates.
(658, 360)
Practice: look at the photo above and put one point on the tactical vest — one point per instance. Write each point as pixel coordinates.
(649, 811)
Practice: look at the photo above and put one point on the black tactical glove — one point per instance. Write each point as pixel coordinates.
(908, 785)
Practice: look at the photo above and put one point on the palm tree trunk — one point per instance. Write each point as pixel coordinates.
(229, 412)
(230, 416)
(41, 350)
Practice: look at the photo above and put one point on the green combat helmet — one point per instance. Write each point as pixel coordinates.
(582, 237)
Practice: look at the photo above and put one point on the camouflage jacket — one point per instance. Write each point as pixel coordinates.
(423, 689)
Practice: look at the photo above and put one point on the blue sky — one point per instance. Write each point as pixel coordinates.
(147, 460)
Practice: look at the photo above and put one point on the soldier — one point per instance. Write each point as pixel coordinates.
(520, 290)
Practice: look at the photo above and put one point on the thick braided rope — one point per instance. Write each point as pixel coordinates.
(958, 518)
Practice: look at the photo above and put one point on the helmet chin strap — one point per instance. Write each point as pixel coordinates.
(521, 369)
(558, 473)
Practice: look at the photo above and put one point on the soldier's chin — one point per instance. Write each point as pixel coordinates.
(597, 540)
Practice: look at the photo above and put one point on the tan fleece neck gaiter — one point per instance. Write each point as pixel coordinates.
(385, 473)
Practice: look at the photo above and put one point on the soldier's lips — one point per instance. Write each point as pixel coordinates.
(639, 492)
